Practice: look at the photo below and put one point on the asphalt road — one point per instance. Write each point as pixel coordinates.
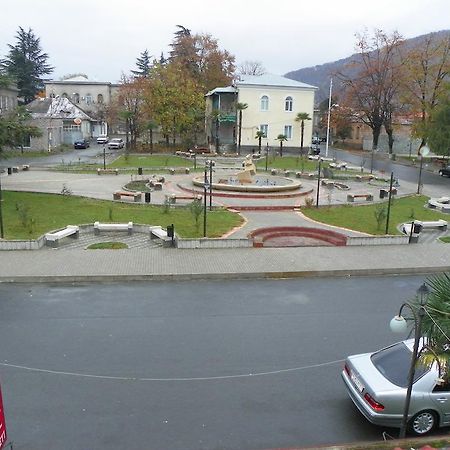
(189, 365)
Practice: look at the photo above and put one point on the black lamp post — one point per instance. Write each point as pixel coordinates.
(398, 325)
(267, 155)
(389, 202)
(318, 182)
(1, 211)
(211, 164)
(205, 188)
(104, 157)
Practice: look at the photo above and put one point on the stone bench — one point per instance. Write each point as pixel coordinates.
(432, 224)
(172, 198)
(110, 171)
(52, 239)
(173, 170)
(161, 234)
(137, 196)
(364, 177)
(353, 197)
(128, 227)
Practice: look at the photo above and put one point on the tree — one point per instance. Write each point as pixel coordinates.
(259, 135)
(436, 323)
(371, 91)
(301, 117)
(143, 64)
(426, 68)
(26, 63)
(251, 68)
(240, 107)
(15, 129)
(437, 129)
(282, 138)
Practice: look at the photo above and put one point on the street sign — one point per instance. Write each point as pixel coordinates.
(2, 423)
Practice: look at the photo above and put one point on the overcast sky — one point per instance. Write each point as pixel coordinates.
(103, 38)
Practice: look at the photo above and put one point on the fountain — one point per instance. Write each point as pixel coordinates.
(246, 180)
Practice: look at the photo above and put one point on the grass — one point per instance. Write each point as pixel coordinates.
(445, 239)
(28, 215)
(153, 161)
(138, 185)
(108, 246)
(362, 217)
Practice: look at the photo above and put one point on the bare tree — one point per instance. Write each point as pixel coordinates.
(372, 89)
(251, 68)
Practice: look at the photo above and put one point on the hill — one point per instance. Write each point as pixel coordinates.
(320, 75)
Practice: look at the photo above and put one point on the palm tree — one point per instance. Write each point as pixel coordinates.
(301, 117)
(259, 136)
(240, 107)
(281, 138)
(436, 323)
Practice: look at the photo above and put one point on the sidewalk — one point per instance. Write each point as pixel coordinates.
(169, 263)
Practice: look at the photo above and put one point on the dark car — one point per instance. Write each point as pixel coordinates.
(315, 150)
(81, 143)
(445, 171)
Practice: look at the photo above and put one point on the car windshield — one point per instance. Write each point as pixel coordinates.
(394, 362)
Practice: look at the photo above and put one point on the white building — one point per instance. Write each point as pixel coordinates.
(273, 103)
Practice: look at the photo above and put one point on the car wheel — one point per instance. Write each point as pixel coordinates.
(440, 173)
(423, 422)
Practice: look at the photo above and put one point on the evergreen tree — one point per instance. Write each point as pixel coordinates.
(26, 63)
(143, 64)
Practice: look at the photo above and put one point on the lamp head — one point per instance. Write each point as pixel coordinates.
(398, 324)
(423, 293)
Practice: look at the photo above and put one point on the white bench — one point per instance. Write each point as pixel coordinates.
(52, 239)
(113, 227)
(442, 224)
(160, 233)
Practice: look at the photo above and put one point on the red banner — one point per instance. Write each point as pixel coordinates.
(2, 423)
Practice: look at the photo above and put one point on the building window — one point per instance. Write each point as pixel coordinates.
(265, 129)
(264, 103)
(64, 95)
(288, 131)
(100, 99)
(76, 98)
(88, 99)
(288, 104)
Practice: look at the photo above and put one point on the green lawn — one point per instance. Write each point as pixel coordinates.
(153, 161)
(362, 217)
(28, 215)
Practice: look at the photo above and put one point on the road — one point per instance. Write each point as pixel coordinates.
(189, 365)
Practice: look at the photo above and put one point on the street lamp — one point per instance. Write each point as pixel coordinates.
(210, 164)
(399, 325)
(423, 152)
(104, 157)
(318, 182)
(205, 189)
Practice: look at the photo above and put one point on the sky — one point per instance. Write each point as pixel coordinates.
(103, 38)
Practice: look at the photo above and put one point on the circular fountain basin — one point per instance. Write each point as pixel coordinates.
(260, 183)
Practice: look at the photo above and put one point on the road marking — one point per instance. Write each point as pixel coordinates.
(220, 377)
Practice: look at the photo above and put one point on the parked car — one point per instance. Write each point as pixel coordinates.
(81, 143)
(315, 140)
(102, 139)
(116, 143)
(323, 139)
(315, 150)
(445, 171)
(377, 384)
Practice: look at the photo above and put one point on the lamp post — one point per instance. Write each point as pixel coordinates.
(318, 182)
(423, 152)
(205, 188)
(210, 164)
(328, 118)
(104, 157)
(267, 155)
(389, 203)
(398, 325)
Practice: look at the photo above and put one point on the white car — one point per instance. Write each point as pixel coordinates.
(116, 143)
(102, 139)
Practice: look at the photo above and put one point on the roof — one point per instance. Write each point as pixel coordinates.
(56, 108)
(222, 90)
(272, 80)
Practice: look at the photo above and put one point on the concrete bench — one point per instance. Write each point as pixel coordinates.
(172, 198)
(157, 186)
(364, 177)
(52, 239)
(25, 167)
(137, 196)
(442, 224)
(161, 234)
(353, 197)
(173, 170)
(110, 171)
(128, 227)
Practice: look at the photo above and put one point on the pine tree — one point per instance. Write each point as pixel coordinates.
(26, 63)
(143, 64)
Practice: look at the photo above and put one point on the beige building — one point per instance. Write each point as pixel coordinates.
(273, 103)
(90, 96)
(8, 99)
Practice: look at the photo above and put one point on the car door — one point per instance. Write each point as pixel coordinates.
(441, 399)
